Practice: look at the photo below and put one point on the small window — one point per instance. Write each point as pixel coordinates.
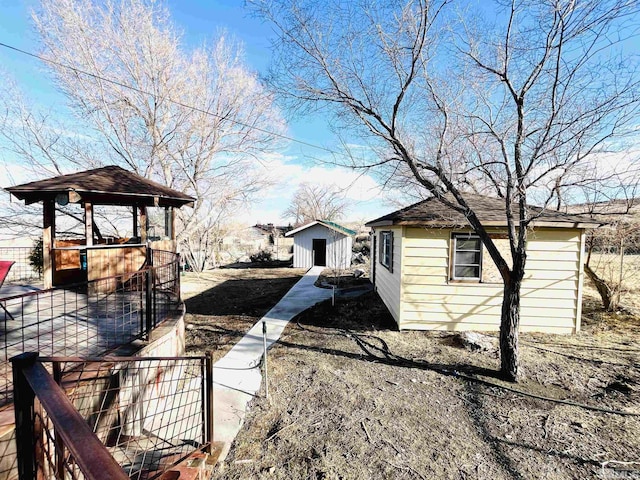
(467, 257)
(386, 250)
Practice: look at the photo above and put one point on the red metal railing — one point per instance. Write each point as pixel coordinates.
(110, 418)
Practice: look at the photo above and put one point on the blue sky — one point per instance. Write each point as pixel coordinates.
(199, 22)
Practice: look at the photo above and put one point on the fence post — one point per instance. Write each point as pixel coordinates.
(148, 287)
(23, 404)
(264, 357)
(177, 276)
(59, 444)
(208, 362)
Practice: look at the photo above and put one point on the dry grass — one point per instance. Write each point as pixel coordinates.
(223, 304)
(338, 410)
(607, 266)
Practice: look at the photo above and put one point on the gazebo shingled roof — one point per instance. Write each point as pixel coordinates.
(110, 185)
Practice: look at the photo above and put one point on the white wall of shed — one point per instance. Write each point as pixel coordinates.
(338, 247)
(388, 282)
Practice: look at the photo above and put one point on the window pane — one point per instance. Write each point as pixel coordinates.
(467, 272)
(467, 244)
(467, 258)
(386, 253)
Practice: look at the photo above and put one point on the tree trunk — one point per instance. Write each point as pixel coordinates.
(509, 325)
(607, 294)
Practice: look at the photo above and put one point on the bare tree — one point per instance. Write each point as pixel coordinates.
(450, 100)
(198, 121)
(316, 202)
(41, 146)
(613, 251)
(610, 265)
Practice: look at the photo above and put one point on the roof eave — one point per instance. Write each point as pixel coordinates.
(30, 196)
(347, 232)
(453, 224)
(381, 223)
(299, 229)
(314, 223)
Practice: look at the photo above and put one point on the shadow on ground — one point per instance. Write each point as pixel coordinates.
(272, 264)
(361, 319)
(252, 297)
(366, 313)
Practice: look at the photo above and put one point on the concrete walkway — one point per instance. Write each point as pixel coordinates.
(237, 376)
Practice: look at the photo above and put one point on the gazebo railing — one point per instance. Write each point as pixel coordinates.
(89, 318)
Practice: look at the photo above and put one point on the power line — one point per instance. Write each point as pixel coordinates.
(175, 102)
(196, 109)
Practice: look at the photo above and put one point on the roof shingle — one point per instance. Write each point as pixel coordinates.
(490, 211)
(107, 185)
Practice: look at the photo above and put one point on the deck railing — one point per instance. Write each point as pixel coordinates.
(90, 318)
(110, 418)
(22, 269)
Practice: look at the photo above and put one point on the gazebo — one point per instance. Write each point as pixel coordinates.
(67, 261)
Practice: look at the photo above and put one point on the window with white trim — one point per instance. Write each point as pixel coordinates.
(467, 257)
(386, 250)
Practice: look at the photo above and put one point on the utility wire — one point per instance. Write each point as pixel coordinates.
(191, 107)
(175, 102)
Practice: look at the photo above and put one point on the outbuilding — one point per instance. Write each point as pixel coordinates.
(321, 243)
(75, 260)
(433, 272)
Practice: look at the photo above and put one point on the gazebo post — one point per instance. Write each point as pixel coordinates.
(48, 237)
(88, 224)
(169, 223)
(143, 224)
(173, 226)
(135, 221)
(167, 227)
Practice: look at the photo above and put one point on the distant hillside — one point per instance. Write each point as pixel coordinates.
(612, 210)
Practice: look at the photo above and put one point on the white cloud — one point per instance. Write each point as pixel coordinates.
(15, 174)
(367, 199)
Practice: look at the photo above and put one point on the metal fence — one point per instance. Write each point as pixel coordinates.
(118, 417)
(22, 269)
(90, 318)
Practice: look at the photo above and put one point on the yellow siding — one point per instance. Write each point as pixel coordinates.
(480, 313)
(413, 261)
(552, 246)
(469, 326)
(438, 270)
(583, 238)
(480, 290)
(426, 252)
(419, 302)
(537, 264)
(550, 289)
(560, 256)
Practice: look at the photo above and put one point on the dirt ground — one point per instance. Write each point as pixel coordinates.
(223, 304)
(343, 278)
(352, 398)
